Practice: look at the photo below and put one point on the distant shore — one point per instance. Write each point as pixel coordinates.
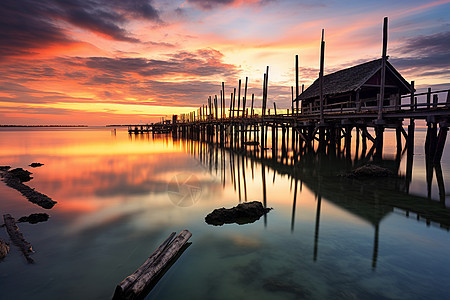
(43, 125)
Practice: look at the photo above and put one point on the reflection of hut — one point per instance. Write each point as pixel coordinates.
(356, 89)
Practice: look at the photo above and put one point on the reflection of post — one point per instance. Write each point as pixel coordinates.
(245, 182)
(223, 167)
(293, 206)
(409, 166)
(375, 247)
(263, 170)
(429, 175)
(379, 141)
(239, 178)
(440, 182)
(316, 233)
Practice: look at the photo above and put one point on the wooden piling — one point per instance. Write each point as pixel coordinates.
(322, 59)
(443, 130)
(383, 68)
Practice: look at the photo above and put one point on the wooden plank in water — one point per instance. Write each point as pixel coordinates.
(134, 285)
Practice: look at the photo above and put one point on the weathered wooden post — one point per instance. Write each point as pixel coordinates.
(383, 69)
(251, 111)
(435, 101)
(292, 100)
(296, 84)
(223, 98)
(244, 100)
(239, 98)
(443, 130)
(379, 130)
(398, 135)
(322, 58)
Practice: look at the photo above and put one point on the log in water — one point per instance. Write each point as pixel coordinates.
(4, 249)
(133, 286)
(17, 237)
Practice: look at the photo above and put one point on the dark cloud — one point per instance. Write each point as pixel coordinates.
(203, 62)
(27, 25)
(426, 45)
(113, 78)
(426, 55)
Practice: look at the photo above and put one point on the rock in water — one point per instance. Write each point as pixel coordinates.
(21, 174)
(244, 213)
(369, 170)
(35, 165)
(4, 249)
(34, 218)
(15, 179)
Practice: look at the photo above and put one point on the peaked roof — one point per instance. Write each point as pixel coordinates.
(349, 79)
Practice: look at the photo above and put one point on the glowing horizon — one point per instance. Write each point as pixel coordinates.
(101, 63)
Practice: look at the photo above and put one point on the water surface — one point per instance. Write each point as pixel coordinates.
(326, 237)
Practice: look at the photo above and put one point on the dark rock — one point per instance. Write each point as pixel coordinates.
(4, 249)
(32, 195)
(244, 213)
(35, 165)
(21, 174)
(4, 168)
(34, 218)
(369, 170)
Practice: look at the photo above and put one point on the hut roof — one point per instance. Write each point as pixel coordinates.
(350, 79)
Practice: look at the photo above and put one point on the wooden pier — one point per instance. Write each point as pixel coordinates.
(367, 99)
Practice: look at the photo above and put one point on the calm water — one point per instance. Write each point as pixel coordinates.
(116, 203)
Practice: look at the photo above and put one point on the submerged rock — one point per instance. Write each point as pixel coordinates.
(4, 249)
(369, 170)
(244, 213)
(34, 165)
(34, 218)
(20, 174)
(15, 179)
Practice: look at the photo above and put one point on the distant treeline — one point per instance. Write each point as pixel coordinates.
(43, 126)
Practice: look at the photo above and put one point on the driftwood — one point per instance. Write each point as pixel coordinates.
(17, 237)
(4, 249)
(15, 179)
(243, 213)
(134, 285)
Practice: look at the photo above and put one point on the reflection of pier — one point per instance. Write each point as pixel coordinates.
(371, 200)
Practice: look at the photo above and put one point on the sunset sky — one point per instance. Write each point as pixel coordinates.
(99, 62)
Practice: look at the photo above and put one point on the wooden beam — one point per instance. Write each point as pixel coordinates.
(134, 285)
